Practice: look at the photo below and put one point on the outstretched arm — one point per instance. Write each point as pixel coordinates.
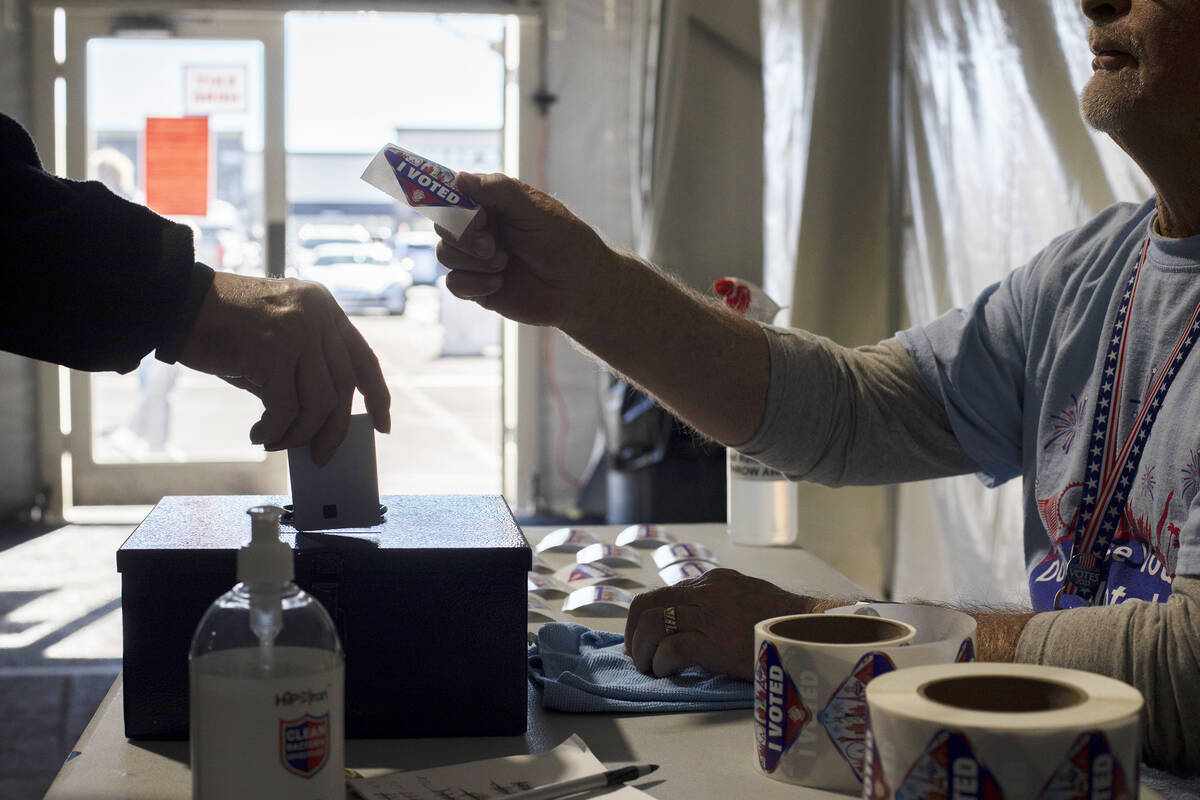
(95, 282)
(530, 259)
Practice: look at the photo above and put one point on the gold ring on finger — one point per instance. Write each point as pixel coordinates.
(670, 623)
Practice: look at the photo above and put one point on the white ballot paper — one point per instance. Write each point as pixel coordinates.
(491, 779)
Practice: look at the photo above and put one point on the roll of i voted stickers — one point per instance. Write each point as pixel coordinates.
(565, 540)
(592, 574)
(545, 586)
(644, 536)
(599, 600)
(943, 634)
(1002, 732)
(610, 555)
(809, 674)
(425, 185)
(682, 570)
(541, 565)
(668, 554)
(539, 609)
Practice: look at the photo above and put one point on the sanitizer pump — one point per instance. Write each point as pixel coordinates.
(761, 503)
(266, 671)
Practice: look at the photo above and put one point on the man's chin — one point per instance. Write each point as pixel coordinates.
(1106, 104)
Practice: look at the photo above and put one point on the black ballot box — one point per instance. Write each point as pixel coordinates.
(430, 605)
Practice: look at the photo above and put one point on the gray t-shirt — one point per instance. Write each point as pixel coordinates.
(1022, 372)
(1009, 387)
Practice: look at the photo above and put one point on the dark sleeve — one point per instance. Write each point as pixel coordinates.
(91, 281)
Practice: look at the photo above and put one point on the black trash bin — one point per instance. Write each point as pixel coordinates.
(658, 469)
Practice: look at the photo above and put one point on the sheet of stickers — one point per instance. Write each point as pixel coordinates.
(575, 572)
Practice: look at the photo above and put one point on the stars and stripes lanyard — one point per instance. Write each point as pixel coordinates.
(1112, 464)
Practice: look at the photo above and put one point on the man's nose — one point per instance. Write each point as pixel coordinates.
(1104, 10)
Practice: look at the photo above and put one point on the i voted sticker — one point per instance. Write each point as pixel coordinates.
(683, 570)
(1089, 771)
(844, 717)
(565, 540)
(539, 610)
(779, 711)
(428, 187)
(545, 586)
(668, 554)
(610, 555)
(424, 182)
(593, 574)
(949, 767)
(644, 536)
(599, 600)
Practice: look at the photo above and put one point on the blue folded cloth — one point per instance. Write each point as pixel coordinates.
(579, 669)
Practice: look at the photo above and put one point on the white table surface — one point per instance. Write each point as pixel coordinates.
(701, 755)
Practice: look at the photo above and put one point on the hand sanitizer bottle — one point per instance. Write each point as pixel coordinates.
(761, 504)
(266, 670)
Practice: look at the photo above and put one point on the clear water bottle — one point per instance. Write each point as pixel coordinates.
(266, 669)
(761, 503)
(762, 507)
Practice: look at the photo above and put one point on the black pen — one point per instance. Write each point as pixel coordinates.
(613, 777)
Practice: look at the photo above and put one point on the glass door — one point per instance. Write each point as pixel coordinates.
(173, 111)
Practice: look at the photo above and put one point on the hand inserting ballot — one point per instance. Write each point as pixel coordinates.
(288, 343)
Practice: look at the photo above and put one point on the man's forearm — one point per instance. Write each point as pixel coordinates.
(707, 364)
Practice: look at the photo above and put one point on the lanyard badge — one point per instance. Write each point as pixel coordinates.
(1112, 464)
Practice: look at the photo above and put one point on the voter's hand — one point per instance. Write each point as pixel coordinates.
(715, 614)
(524, 254)
(289, 343)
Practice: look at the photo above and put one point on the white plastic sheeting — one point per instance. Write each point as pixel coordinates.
(998, 162)
(995, 163)
(827, 246)
(792, 35)
(595, 56)
(657, 122)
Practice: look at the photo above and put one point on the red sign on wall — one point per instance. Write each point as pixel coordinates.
(177, 165)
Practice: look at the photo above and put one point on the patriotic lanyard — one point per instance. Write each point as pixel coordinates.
(1112, 464)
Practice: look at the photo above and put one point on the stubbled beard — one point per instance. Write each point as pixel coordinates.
(1109, 102)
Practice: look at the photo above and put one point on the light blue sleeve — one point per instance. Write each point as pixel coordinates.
(973, 360)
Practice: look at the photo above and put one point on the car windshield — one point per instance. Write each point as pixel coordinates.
(350, 258)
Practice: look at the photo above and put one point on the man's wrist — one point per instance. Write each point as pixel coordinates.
(819, 605)
(997, 635)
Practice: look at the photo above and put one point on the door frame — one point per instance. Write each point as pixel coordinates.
(522, 356)
(81, 480)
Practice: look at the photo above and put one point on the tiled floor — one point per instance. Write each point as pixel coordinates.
(60, 645)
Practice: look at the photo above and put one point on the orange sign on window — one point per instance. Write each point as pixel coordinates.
(177, 165)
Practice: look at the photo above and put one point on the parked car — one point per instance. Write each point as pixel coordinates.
(421, 248)
(360, 276)
(315, 234)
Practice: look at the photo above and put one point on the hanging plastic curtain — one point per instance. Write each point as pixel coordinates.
(793, 33)
(998, 162)
(594, 67)
(660, 54)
